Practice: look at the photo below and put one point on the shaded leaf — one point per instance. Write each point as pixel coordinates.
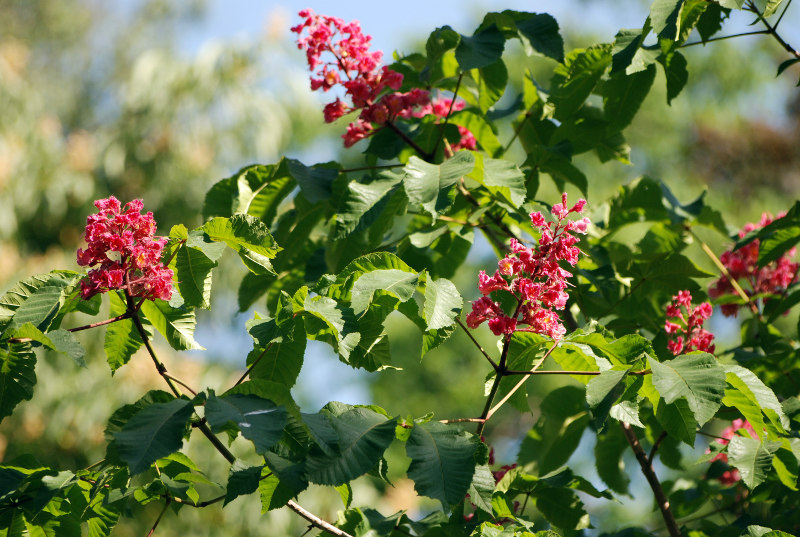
(260, 420)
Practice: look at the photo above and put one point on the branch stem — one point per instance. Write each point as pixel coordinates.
(652, 480)
(478, 345)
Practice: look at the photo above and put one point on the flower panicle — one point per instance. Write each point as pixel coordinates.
(122, 245)
(534, 276)
(338, 54)
(742, 265)
(684, 325)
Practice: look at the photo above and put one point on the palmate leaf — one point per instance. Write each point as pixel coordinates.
(260, 420)
(492, 81)
(481, 128)
(152, 433)
(17, 377)
(249, 237)
(442, 461)
(58, 340)
(353, 443)
(623, 94)
(696, 377)
(242, 479)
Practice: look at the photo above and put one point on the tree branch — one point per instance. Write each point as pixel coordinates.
(652, 480)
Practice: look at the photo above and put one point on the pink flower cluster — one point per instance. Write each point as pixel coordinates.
(441, 108)
(372, 88)
(122, 242)
(684, 325)
(357, 69)
(534, 277)
(731, 476)
(742, 265)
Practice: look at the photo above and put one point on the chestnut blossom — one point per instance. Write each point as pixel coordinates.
(534, 277)
(742, 265)
(684, 325)
(338, 55)
(122, 242)
(349, 63)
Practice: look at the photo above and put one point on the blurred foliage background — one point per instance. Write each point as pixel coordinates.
(100, 98)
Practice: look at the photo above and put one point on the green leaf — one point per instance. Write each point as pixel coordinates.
(502, 178)
(242, 479)
(751, 397)
(561, 507)
(492, 81)
(484, 48)
(192, 266)
(428, 184)
(603, 391)
(665, 17)
(481, 489)
(248, 236)
(17, 377)
(260, 420)
(539, 31)
(442, 461)
(66, 342)
(678, 420)
(39, 308)
(361, 437)
(677, 75)
(623, 94)
(575, 79)
(122, 339)
(752, 457)
(697, 377)
(22, 291)
(175, 324)
(442, 304)
(480, 128)
(363, 202)
(609, 460)
(152, 433)
(256, 190)
(279, 355)
(397, 283)
(316, 182)
(440, 41)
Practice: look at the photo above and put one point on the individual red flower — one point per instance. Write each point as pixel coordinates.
(534, 277)
(742, 265)
(122, 242)
(684, 325)
(731, 476)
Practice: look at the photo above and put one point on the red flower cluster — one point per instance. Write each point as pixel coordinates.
(731, 476)
(122, 242)
(357, 70)
(534, 277)
(441, 108)
(684, 325)
(742, 265)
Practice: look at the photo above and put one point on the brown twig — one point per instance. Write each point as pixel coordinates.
(255, 362)
(161, 514)
(652, 480)
(655, 447)
(478, 345)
